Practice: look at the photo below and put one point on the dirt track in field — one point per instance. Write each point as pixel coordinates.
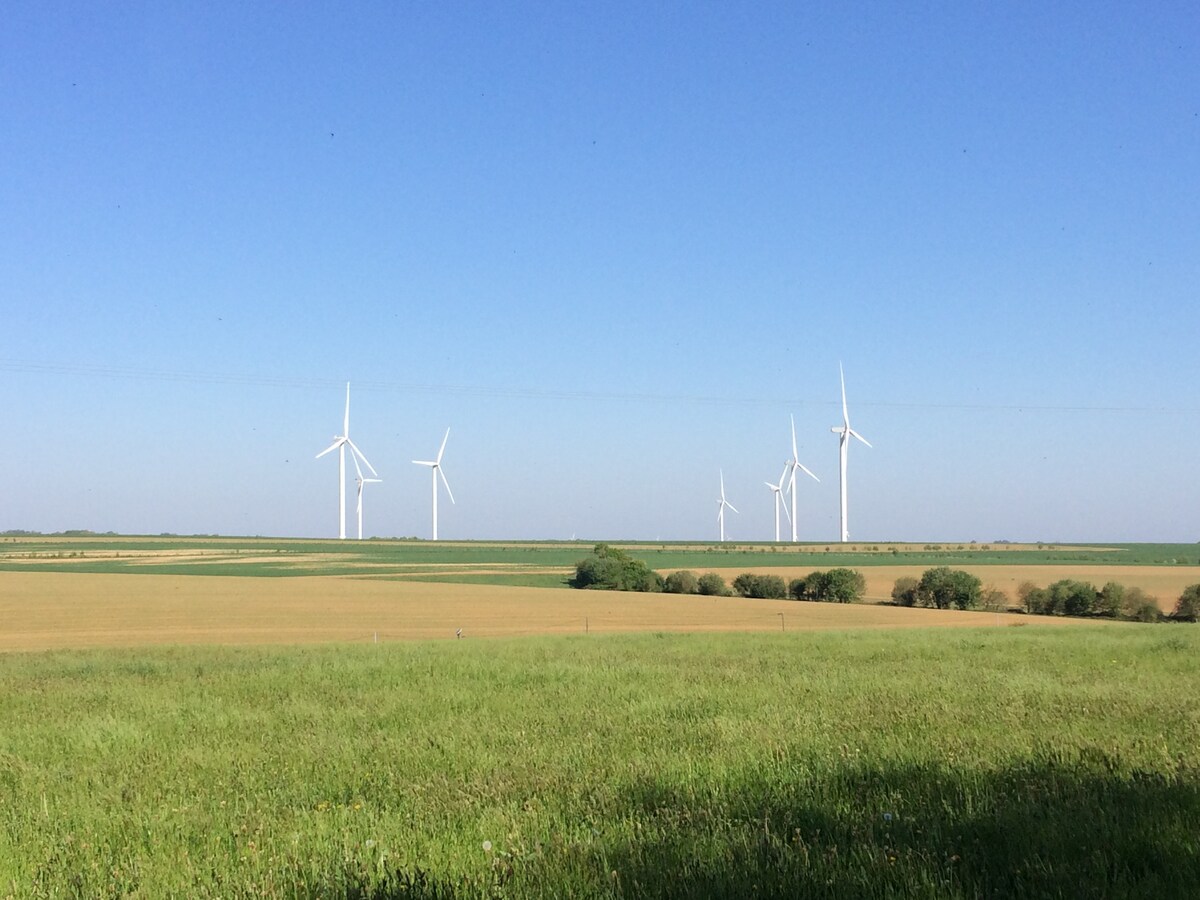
(52, 610)
(1164, 583)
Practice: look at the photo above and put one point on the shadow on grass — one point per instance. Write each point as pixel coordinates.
(1053, 829)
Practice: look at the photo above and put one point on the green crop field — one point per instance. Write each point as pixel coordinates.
(261, 557)
(1007, 762)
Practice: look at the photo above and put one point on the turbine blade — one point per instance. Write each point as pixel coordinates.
(845, 411)
(734, 508)
(357, 468)
(438, 469)
(808, 473)
(346, 421)
(332, 446)
(860, 437)
(795, 452)
(359, 454)
(443, 447)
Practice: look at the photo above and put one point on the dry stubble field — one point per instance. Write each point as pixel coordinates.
(53, 610)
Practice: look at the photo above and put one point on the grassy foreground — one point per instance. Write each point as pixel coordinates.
(1016, 762)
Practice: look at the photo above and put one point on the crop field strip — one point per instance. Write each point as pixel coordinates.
(42, 610)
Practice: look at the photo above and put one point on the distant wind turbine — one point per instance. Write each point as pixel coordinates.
(339, 443)
(795, 464)
(360, 481)
(777, 490)
(845, 432)
(436, 465)
(724, 504)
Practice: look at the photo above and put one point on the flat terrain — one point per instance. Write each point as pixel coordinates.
(1164, 583)
(47, 610)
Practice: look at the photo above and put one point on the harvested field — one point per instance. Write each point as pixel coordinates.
(1165, 583)
(50, 610)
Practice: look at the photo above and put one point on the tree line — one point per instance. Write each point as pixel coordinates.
(610, 568)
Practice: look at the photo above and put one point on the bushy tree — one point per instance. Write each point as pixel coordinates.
(833, 586)
(1139, 606)
(712, 585)
(843, 586)
(1073, 598)
(612, 569)
(681, 582)
(993, 599)
(766, 587)
(946, 588)
(808, 587)
(904, 591)
(1187, 609)
(1111, 600)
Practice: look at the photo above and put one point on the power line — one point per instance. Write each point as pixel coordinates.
(136, 374)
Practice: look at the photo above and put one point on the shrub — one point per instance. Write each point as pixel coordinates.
(904, 591)
(1111, 600)
(1073, 598)
(834, 586)
(765, 587)
(712, 585)
(946, 588)
(1137, 604)
(993, 599)
(681, 582)
(1147, 611)
(611, 569)
(843, 586)
(1187, 609)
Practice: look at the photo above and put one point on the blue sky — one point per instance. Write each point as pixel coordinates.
(612, 247)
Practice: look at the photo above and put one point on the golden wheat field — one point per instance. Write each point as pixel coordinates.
(53, 610)
(1164, 583)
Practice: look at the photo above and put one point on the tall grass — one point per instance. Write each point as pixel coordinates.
(1014, 762)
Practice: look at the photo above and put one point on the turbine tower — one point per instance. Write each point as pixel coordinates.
(845, 432)
(777, 490)
(436, 465)
(360, 481)
(795, 464)
(340, 443)
(721, 509)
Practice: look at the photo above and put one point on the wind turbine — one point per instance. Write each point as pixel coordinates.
(721, 509)
(795, 464)
(845, 432)
(436, 465)
(777, 490)
(360, 481)
(339, 443)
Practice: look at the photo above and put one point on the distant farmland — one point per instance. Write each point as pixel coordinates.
(108, 591)
(236, 717)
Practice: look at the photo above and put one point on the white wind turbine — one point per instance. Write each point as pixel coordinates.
(339, 443)
(796, 464)
(721, 509)
(777, 490)
(436, 465)
(360, 481)
(845, 432)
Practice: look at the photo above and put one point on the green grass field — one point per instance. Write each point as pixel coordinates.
(1016, 762)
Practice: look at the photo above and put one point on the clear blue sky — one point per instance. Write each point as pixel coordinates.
(613, 247)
